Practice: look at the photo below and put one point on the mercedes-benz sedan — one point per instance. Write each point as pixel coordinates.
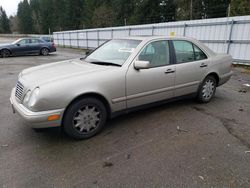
(121, 75)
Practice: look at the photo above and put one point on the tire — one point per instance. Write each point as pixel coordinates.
(84, 118)
(207, 90)
(5, 53)
(44, 51)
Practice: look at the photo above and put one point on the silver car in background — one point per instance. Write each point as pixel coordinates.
(121, 75)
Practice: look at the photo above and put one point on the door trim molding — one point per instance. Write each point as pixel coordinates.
(143, 94)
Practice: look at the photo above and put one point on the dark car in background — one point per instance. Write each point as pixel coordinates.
(26, 46)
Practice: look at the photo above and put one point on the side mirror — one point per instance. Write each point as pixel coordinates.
(18, 44)
(141, 65)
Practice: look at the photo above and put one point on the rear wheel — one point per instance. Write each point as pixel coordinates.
(207, 89)
(5, 53)
(45, 51)
(84, 118)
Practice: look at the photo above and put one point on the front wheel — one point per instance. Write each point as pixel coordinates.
(5, 53)
(84, 118)
(207, 90)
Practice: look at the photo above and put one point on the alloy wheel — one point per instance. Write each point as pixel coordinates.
(5, 53)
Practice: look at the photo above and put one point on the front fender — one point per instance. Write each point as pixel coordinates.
(6, 48)
(59, 94)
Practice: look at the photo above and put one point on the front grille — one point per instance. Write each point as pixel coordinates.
(19, 91)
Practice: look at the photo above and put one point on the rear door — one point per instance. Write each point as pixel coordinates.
(35, 45)
(191, 66)
(155, 83)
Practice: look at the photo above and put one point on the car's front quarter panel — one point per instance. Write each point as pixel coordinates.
(109, 84)
(8, 47)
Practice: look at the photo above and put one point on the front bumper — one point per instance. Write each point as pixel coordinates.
(35, 119)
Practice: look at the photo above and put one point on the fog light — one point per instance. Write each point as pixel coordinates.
(53, 117)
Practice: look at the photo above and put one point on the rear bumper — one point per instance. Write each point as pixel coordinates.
(53, 49)
(35, 119)
(224, 78)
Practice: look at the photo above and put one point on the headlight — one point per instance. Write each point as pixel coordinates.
(26, 98)
(33, 97)
(30, 98)
(20, 75)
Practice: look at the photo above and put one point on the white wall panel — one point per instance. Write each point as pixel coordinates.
(215, 31)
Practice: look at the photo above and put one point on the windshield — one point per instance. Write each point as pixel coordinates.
(16, 41)
(113, 52)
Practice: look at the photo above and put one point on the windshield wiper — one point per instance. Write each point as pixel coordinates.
(105, 63)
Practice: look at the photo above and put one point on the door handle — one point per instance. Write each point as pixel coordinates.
(203, 65)
(169, 71)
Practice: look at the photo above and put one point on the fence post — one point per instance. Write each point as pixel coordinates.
(230, 36)
(112, 33)
(57, 39)
(63, 39)
(153, 30)
(98, 39)
(129, 29)
(70, 39)
(77, 39)
(184, 29)
(87, 40)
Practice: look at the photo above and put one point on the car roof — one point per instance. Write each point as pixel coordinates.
(150, 37)
(29, 38)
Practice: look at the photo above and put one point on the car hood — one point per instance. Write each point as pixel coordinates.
(52, 72)
(5, 45)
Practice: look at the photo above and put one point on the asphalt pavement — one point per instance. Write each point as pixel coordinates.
(179, 144)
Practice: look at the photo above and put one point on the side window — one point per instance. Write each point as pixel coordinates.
(199, 54)
(184, 51)
(24, 41)
(157, 53)
(41, 41)
(34, 41)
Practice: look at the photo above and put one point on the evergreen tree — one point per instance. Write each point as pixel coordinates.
(103, 16)
(40, 15)
(36, 15)
(124, 9)
(239, 7)
(25, 21)
(47, 20)
(215, 8)
(4, 22)
(153, 11)
(74, 13)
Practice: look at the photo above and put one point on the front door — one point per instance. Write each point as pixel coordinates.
(155, 83)
(22, 47)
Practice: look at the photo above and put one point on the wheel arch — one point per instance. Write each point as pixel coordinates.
(6, 49)
(93, 95)
(216, 76)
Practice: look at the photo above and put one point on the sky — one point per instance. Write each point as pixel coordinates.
(10, 6)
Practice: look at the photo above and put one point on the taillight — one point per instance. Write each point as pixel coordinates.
(53, 44)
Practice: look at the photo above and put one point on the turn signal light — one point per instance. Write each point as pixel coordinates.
(53, 117)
